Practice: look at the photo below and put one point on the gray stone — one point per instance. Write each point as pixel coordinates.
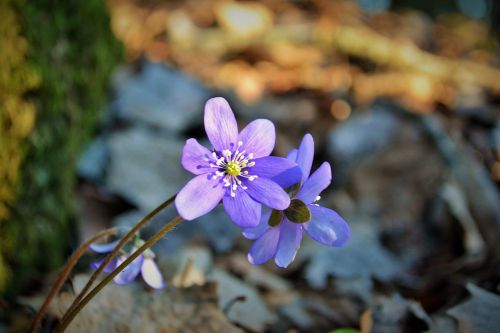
(218, 228)
(158, 96)
(92, 163)
(289, 110)
(144, 167)
(362, 257)
(251, 312)
(362, 135)
(479, 313)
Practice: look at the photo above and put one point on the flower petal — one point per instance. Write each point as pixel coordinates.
(104, 247)
(280, 170)
(292, 155)
(220, 123)
(109, 267)
(327, 227)
(264, 248)
(305, 156)
(258, 138)
(256, 232)
(195, 158)
(318, 181)
(269, 193)
(151, 274)
(289, 243)
(199, 196)
(130, 272)
(242, 209)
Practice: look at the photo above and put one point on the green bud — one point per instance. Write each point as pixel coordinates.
(297, 212)
(275, 218)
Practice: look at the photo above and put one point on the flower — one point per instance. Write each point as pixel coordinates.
(143, 264)
(238, 170)
(279, 233)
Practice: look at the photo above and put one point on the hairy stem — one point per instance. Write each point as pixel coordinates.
(63, 276)
(70, 314)
(118, 247)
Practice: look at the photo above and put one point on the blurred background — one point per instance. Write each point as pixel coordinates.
(402, 97)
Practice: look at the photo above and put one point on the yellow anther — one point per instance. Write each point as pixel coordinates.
(233, 168)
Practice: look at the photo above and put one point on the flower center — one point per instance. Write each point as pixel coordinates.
(231, 166)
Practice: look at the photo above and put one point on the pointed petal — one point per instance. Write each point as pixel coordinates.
(256, 232)
(242, 209)
(289, 243)
(109, 267)
(305, 156)
(318, 181)
(104, 247)
(268, 193)
(130, 272)
(220, 123)
(151, 274)
(280, 170)
(264, 248)
(292, 155)
(327, 227)
(199, 196)
(196, 158)
(258, 138)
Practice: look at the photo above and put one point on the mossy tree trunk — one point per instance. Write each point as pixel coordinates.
(74, 51)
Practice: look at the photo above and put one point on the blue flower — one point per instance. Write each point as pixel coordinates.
(238, 171)
(279, 233)
(143, 264)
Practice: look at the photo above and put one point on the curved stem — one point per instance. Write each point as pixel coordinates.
(70, 315)
(118, 247)
(63, 276)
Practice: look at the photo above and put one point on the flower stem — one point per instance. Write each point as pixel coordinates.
(118, 247)
(63, 276)
(70, 315)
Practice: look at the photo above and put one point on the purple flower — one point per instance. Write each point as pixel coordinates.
(239, 170)
(143, 264)
(279, 233)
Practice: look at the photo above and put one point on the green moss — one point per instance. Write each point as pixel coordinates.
(74, 51)
(17, 116)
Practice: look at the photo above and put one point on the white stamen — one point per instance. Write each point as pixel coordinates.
(221, 161)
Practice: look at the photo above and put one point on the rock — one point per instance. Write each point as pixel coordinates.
(296, 313)
(362, 257)
(361, 136)
(144, 168)
(158, 96)
(396, 314)
(214, 228)
(133, 309)
(218, 228)
(257, 275)
(289, 110)
(251, 311)
(392, 170)
(478, 314)
(92, 163)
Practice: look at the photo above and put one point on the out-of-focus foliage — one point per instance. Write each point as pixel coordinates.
(277, 46)
(74, 51)
(17, 115)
